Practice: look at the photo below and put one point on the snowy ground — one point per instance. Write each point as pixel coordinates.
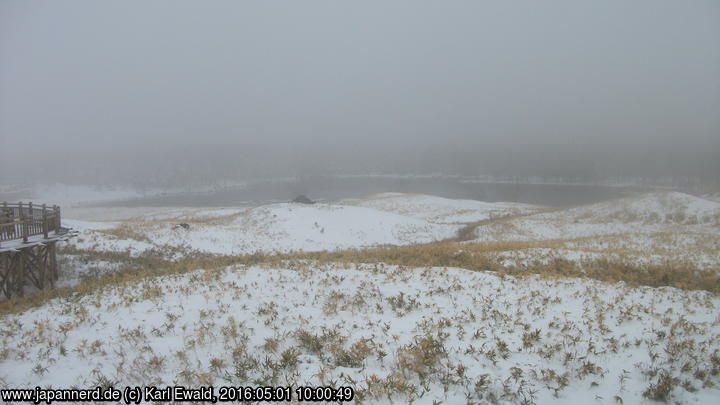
(648, 228)
(651, 212)
(271, 228)
(441, 210)
(387, 219)
(393, 333)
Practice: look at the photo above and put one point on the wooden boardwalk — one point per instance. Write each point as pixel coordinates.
(28, 235)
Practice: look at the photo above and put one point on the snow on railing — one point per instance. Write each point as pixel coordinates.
(23, 220)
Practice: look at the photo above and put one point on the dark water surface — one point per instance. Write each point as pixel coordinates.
(331, 189)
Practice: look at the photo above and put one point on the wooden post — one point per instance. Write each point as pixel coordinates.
(29, 222)
(20, 273)
(4, 228)
(3, 217)
(44, 221)
(41, 263)
(2, 221)
(53, 265)
(4, 274)
(23, 223)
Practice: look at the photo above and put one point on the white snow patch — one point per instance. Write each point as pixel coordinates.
(441, 210)
(167, 330)
(289, 227)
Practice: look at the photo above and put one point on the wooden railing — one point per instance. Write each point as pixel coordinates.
(21, 221)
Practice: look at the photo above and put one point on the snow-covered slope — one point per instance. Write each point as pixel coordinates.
(406, 335)
(652, 227)
(269, 228)
(394, 219)
(654, 212)
(441, 210)
(287, 227)
(419, 335)
(661, 207)
(712, 197)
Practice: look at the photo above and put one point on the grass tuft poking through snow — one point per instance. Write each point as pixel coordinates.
(419, 335)
(406, 298)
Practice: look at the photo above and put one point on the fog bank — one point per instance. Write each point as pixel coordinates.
(133, 91)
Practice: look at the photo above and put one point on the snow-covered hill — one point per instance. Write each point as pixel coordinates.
(654, 227)
(648, 212)
(288, 227)
(420, 335)
(391, 219)
(441, 210)
(651, 228)
(402, 334)
(653, 208)
(270, 228)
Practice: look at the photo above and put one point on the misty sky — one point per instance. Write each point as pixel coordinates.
(124, 87)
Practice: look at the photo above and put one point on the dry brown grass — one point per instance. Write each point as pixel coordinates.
(124, 232)
(134, 269)
(471, 256)
(520, 327)
(475, 257)
(467, 232)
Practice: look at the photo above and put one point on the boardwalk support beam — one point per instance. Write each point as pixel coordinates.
(28, 238)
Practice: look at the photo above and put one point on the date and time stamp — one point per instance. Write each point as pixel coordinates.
(178, 393)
